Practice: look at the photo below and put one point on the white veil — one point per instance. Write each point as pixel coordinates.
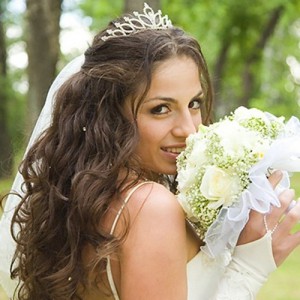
(7, 244)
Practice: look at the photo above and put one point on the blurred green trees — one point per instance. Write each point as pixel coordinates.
(247, 45)
(252, 49)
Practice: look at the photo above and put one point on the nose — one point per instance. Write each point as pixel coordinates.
(186, 124)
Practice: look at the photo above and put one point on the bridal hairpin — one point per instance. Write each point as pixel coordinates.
(147, 20)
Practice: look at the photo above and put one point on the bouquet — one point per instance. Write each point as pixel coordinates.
(222, 173)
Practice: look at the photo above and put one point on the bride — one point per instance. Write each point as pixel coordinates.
(97, 217)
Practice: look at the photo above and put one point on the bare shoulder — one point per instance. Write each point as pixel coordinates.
(154, 199)
(156, 241)
(155, 210)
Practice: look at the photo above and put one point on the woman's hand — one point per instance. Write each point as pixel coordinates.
(279, 221)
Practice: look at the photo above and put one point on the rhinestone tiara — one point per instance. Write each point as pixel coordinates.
(147, 20)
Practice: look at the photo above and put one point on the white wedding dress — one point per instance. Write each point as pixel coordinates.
(233, 278)
(237, 277)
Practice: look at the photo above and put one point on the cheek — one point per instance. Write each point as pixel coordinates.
(150, 140)
(148, 129)
(147, 136)
(197, 120)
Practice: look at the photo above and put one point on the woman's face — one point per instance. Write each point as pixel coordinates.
(169, 113)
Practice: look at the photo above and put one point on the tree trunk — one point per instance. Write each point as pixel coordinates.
(6, 156)
(137, 5)
(220, 106)
(43, 51)
(248, 75)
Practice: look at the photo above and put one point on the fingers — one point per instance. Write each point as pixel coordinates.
(282, 248)
(276, 214)
(283, 242)
(279, 222)
(258, 224)
(290, 220)
(275, 178)
(295, 242)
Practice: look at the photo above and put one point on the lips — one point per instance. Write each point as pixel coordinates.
(174, 150)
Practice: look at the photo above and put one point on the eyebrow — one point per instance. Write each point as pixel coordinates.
(169, 99)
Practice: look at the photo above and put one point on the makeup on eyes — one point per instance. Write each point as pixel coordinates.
(164, 103)
(171, 99)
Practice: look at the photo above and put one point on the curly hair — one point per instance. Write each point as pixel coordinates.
(72, 173)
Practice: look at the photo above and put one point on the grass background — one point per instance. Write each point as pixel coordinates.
(283, 284)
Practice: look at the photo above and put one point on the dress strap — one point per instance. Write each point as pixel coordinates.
(108, 265)
(124, 204)
(111, 280)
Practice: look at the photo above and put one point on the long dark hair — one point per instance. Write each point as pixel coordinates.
(72, 173)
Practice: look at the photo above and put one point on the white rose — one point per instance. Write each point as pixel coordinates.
(219, 187)
(197, 156)
(186, 178)
(243, 113)
(235, 138)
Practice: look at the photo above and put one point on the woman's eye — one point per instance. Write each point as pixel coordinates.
(195, 104)
(160, 109)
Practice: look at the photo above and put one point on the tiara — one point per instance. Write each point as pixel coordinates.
(147, 20)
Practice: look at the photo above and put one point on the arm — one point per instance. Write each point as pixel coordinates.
(261, 249)
(154, 256)
(248, 270)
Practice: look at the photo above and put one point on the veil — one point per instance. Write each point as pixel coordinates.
(7, 244)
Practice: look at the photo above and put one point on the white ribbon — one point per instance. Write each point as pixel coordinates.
(284, 155)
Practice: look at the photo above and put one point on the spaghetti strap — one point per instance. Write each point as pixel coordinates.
(124, 204)
(108, 265)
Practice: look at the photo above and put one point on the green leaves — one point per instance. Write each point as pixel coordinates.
(246, 44)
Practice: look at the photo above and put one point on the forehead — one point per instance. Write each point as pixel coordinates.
(174, 62)
(176, 76)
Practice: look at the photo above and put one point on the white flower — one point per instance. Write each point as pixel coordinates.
(224, 166)
(260, 147)
(235, 138)
(186, 207)
(219, 187)
(197, 156)
(186, 178)
(243, 113)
